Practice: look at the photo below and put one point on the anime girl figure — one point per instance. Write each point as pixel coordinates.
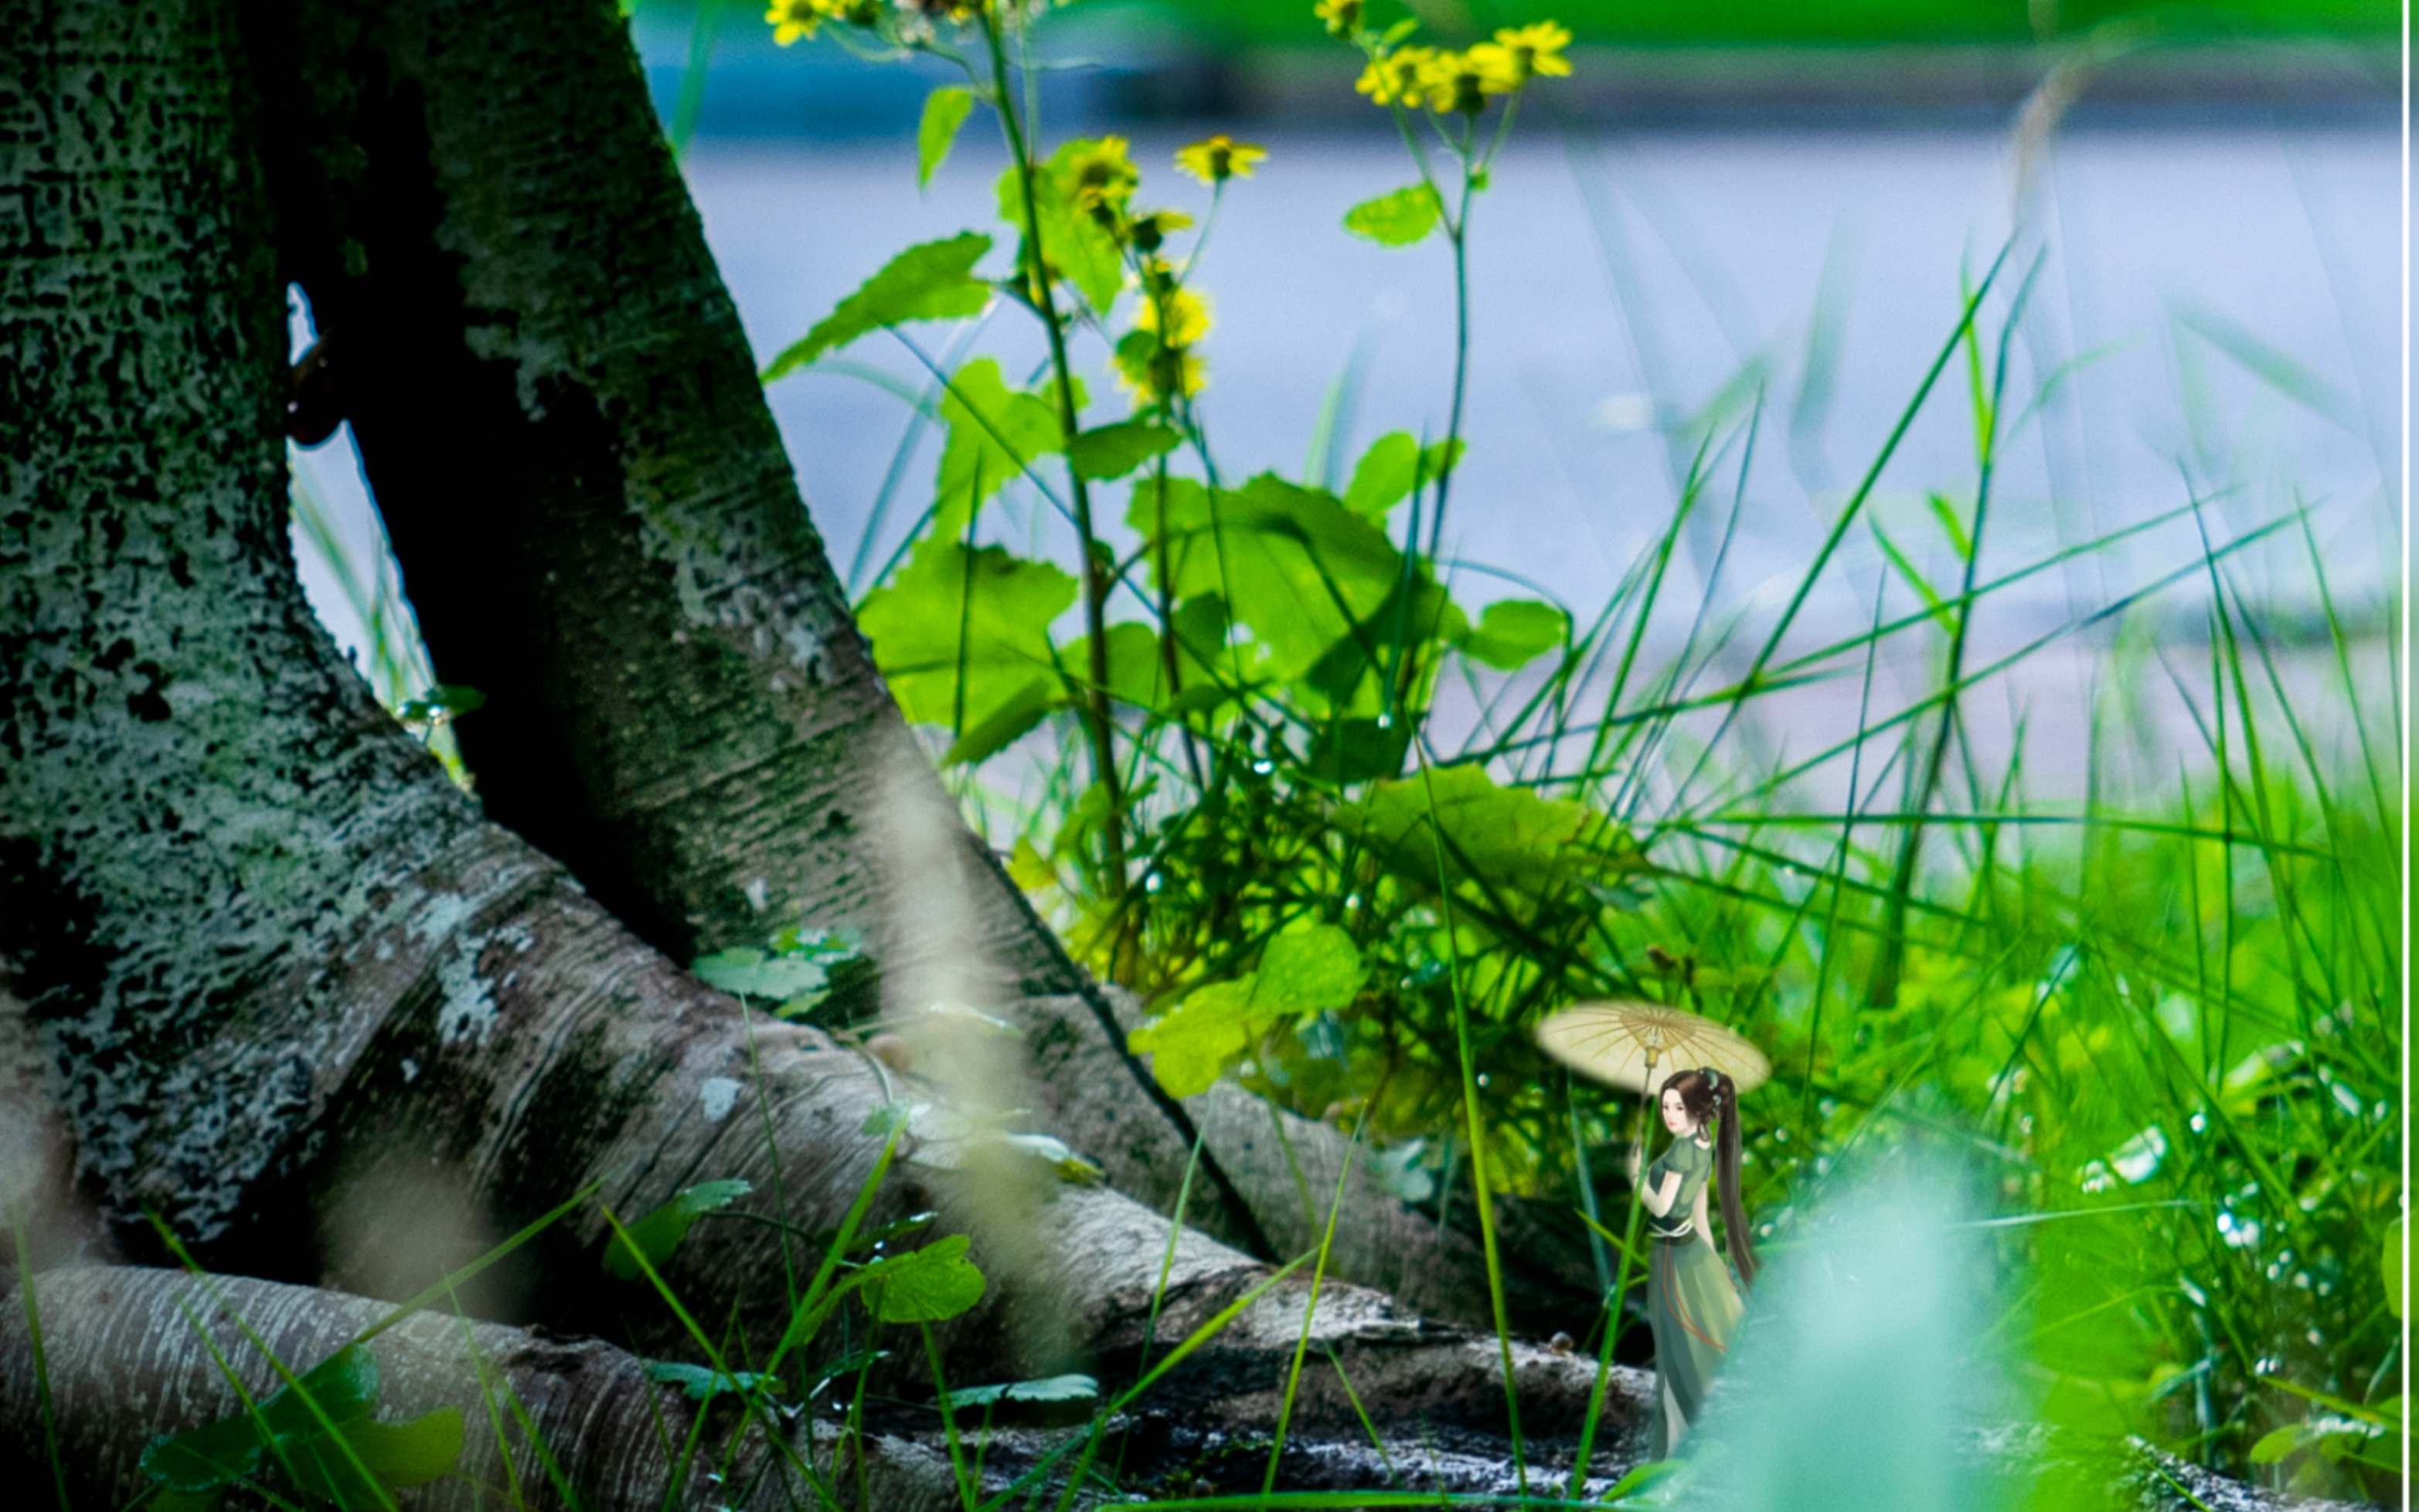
(1690, 1302)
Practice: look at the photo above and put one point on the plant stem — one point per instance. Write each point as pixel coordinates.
(1097, 726)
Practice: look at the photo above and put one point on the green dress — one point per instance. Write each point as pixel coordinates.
(1690, 1302)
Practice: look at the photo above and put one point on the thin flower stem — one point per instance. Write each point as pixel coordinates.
(1097, 722)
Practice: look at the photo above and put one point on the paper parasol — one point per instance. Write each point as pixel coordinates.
(1635, 1046)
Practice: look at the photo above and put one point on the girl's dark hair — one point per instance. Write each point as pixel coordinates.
(1711, 1096)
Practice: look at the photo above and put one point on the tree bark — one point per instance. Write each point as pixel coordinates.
(558, 414)
(306, 1008)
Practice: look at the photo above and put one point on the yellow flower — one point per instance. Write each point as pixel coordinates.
(1342, 16)
(1188, 317)
(1103, 175)
(1536, 49)
(1455, 81)
(1217, 158)
(792, 19)
(1397, 77)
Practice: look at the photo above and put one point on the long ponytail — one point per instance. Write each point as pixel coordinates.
(1726, 1159)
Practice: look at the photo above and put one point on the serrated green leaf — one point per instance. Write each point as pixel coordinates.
(933, 281)
(657, 1234)
(1138, 671)
(751, 973)
(1385, 476)
(1110, 452)
(1513, 632)
(1075, 246)
(945, 111)
(994, 433)
(1305, 575)
(1305, 971)
(1395, 220)
(929, 1285)
(964, 638)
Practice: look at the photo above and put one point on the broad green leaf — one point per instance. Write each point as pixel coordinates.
(1137, 670)
(1385, 476)
(395, 1455)
(1191, 1045)
(1356, 749)
(1023, 710)
(1515, 632)
(995, 433)
(1114, 451)
(1310, 968)
(1067, 1388)
(2394, 1261)
(1395, 220)
(1305, 971)
(1074, 1169)
(933, 281)
(1296, 567)
(340, 1389)
(1075, 246)
(205, 1458)
(2276, 1445)
(945, 111)
(700, 1384)
(964, 638)
(1505, 837)
(1641, 1476)
(751, 973)
(1438, 458)
(657, 1234)
(924, 1286)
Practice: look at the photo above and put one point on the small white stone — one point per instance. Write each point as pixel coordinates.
(719, 1095)
(759, 893)
(410, 1068)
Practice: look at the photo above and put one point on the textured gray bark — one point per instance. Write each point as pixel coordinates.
(298, 1000)
(560, 417)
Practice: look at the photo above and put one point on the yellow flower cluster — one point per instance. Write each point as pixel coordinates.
(792, 19)
(1444, 80)
(1215, 160)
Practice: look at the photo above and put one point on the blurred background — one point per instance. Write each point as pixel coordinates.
(1757, 208)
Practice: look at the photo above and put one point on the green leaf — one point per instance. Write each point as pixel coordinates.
(207, 1459)
(1114, 451)
(1395, 220)
(1356, 749)
(340, 1389)
(751, 973)
(1384, 477)
(945, 111)
(1310, 968)
(2277, 1444)
(933, 281)
(657, 1234)
(929, 1285)
(1077, 247)
(2392, 1258)
(1305, 971)
(1069, 1165)
(1507, 838)
(1438, 458)
(1641, 1476)
(1021, 710)
(995, 433)
(1303, 573)
(1515, 632)
(701, 1385)
(1067, 1388)
(964, 638)
(1137, 672)
(394, 1455)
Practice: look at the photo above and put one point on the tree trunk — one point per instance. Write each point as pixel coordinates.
(306, 1009)
(559, 417)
